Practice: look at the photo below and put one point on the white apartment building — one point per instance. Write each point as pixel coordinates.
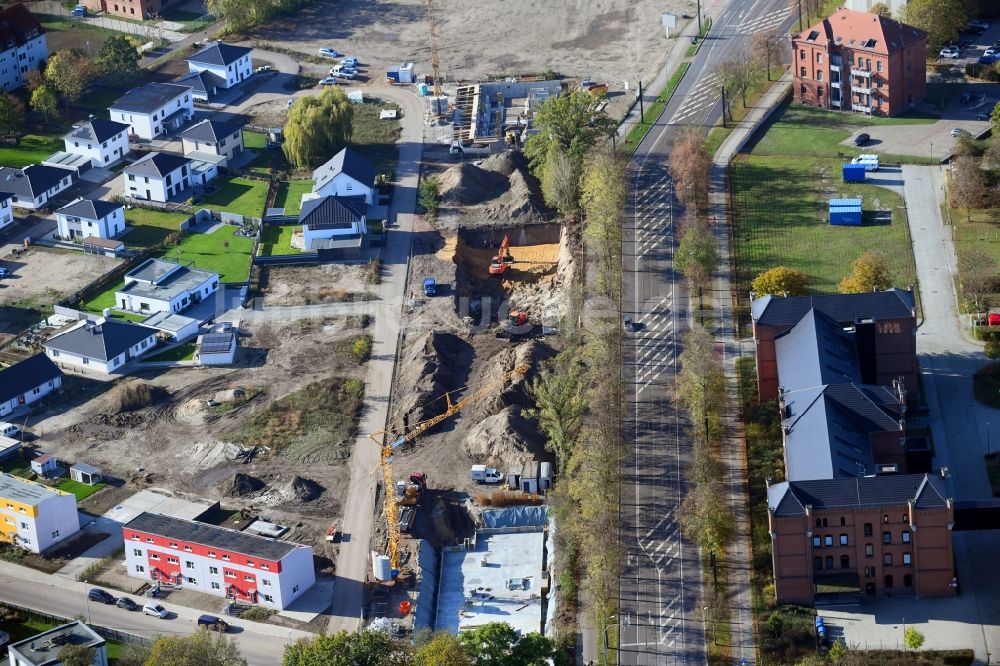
(34, 516)
(157, 176)
(86, 218)
(23, 42)
(154, 109)
(105, 142)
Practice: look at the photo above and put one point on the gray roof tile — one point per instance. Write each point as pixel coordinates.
(98, 130)
(156, 165)
(149, 98)
(100, 341)
(332, 212)
(32, 180)
(219, 53)
(209, 535)
(348, 161)
(210, 131)
(90, 209)
(789, 498)
(842, 308)
(25, 375)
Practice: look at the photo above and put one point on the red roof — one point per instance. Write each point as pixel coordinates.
(44, 458)
(17, 26)
(861, 30)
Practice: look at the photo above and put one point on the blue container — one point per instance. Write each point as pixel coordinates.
(854, 173)
(845, 212)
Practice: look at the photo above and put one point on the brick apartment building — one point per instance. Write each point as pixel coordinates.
(855, 61)
(133, 9)
(881, 535)
(216, 560)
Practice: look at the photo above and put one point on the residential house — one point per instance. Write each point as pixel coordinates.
(34, 516)
(228, 63)
(23, 42)
(162, 286)
(157, 176)
(86, 218)
(84, 473)
(6, 210)
(45, 465)
(104, 346)
(227, 563)
(211, 139)
(34, 185)
(204, 85)
(333, 222)
(26, 382)
(154, 109)
(346, 174)
(44, 649)
(216, 348)
(105, 142)
(878, 535)
(856, 61)
(173, 326)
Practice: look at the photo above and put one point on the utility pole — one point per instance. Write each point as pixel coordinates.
(723, 106)
(699, 18)
(800, 15)
(642, 109)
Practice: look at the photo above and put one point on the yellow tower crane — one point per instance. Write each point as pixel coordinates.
(390, 508)
(435, 62)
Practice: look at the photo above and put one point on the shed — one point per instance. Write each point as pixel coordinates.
(109, 247)
(84, 473)
(45, 465)
(854, 173)
(529, 479)
(401, 74)
(845, 212)
(216, 348)
(9, 447)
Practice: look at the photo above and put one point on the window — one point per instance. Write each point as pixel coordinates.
(213, 570)
(193, 581)
(173, 560)
(268, 597)
(265, 567)
(829, 561)
(817, 542)
(172, 544)
(843, 521)
(907, 559)
(886, 537)
(802, 89)
(216, 586)
(187, 548)
(188, 564)
(802, 73)
(819, 75)
(906, 536)
(248, 578)
(137, 552)
(265, 582)
(295, 589)
(211, 553)
(904, 518)
(843, 539)
(828, 540)
(887, 559)
(802, 54)
(225, 557)
(24, 525)
(878, 66)
(845, 562)
(131, 177)
(250, 563)
(139, 568)
(819, 57)
(230, 574)
(885, 519)
(869, 550)
(869, 572)
(154, 556)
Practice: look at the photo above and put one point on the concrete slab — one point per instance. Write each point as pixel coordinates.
(97, 175)
(315, 600)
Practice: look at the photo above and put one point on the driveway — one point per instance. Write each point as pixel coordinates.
(932, 139)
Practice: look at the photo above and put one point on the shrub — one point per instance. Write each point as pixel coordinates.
(257, 614)
(361, 348)
(429, 195)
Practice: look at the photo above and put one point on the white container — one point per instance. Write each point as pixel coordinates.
(381, 568)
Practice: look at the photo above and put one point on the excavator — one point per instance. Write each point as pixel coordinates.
(502, 261)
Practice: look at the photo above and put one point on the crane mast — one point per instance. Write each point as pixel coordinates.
(435, 62)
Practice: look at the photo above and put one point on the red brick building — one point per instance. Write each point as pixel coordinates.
(133, 9)
(855, 61)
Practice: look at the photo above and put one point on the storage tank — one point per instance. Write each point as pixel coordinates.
(381, 568)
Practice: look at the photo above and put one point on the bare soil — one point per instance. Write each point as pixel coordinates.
(306, 285)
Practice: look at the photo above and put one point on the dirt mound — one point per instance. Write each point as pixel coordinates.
(243, 485)
(529, 354)
(134, 395)
(504, 439)
(522, 203)
(506, 162)
(230, 395)
(431, 366)
(305, 490)
(466, 184)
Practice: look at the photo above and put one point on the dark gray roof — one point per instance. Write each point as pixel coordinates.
(149, 98)
(100, 341)
(167, 285)
(332, 212)
(348, 161)
(814, 352)
(91, 209)
(789, 498)
(98, 130)
(216, 343)
(17, 26)
(153, 270)
(219, 54)
(200, 82)
(26, 375)
(85, 468)
(32, 180)
(842, 308)
(44, 649)
(210, 131)
(209, 535)
(156, 165)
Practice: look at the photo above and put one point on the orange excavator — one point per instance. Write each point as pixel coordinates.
(502, 261)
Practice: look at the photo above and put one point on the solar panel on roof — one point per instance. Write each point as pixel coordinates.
(216, 343)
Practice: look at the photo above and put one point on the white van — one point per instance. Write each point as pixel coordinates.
(9, 429)
(870, 161)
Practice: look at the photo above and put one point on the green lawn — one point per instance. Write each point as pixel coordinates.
(805, 131)
(184, 352)
(978, 229)
(254, 140)
(290, 195)
(31, 149)
(241, 196)
(105, 299)
(780, 218)
(277, 239)
(81, 490)
(150, 227)
(129, 316)
(374, 138)
(209, 253)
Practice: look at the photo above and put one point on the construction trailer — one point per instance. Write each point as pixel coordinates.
(845, 212)
(854, 173)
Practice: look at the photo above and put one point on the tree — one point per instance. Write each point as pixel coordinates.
(701, 383)
(201, 647)
(697, 256)
(881, 9)
(133, 654)
(11, 113)
(560, 402)
(603, 197)
(706, 519)
(119, 58)
(239, 15)
(317, 127)
(570, 120)
(429, 195)
(443, 649)
(561, 180)
(497, 644)
(689, 165)
(76, 655)
(941, 19)
(912, 638)
(33, 79)
(995, 119)
(869, 272)
(977, 274)
(44, 101)
(71, 73)
(992, 349)
(779, 281)
(766, 46)
(969, 185)
(361, 648)
(991, 157)
(838, 650)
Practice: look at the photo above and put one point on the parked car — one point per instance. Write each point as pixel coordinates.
(213, 623)
(986, 60)
(966, 98)
(127, 604)
(97, 594)
(628, 325)
(4, 272)
(9, 429)
(330, 53)
(979, 25)
(343, 72)
(991, 51)
(156, 610)
(862, 139)
(958, 131)
(328, 81)
(350, 61)
(950, 52)
(263, 68)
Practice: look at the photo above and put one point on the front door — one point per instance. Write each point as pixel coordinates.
(888, 582)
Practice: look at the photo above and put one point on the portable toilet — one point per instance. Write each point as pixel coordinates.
(845, 212)
(423, 90)
(529, 479)
(545, 476)
(854, 173)
(392, 74)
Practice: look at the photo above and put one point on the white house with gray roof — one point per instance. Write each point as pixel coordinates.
(154, 109)
(90, 218)
(346, 174)
(333, 222)
(6, 210)
(229, 64)
(162, 286)
(105, 345)
(105, 142)
(213, 139)
(157, 176)
(33, 186)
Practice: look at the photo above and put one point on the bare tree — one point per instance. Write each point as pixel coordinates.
(729, 78)
(977, 273)
(766, 46)
(969, 185)
(689, 165)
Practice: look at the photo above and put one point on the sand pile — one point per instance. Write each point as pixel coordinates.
(506, 162)
(530, 354)
(302, 489)
(504, 439)
(243, 485)
(522, 203)
(134, 395)
(466, 184)
(429, 368)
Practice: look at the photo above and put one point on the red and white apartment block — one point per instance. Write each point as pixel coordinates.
(216, 560)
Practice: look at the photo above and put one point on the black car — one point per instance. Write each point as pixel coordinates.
(628, 325)
(127, 604)
(861, 139)
(97, 594)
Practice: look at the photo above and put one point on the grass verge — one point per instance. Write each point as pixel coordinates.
(977, 229)
(693, 49)
(30, 149)
(639, 130)
(290, 193)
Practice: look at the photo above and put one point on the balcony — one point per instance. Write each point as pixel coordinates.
(861, 108)
(834, 67)
(864, 88)
(835, 84)
(866, 73)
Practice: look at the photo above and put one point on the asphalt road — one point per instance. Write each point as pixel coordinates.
(661, 618)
